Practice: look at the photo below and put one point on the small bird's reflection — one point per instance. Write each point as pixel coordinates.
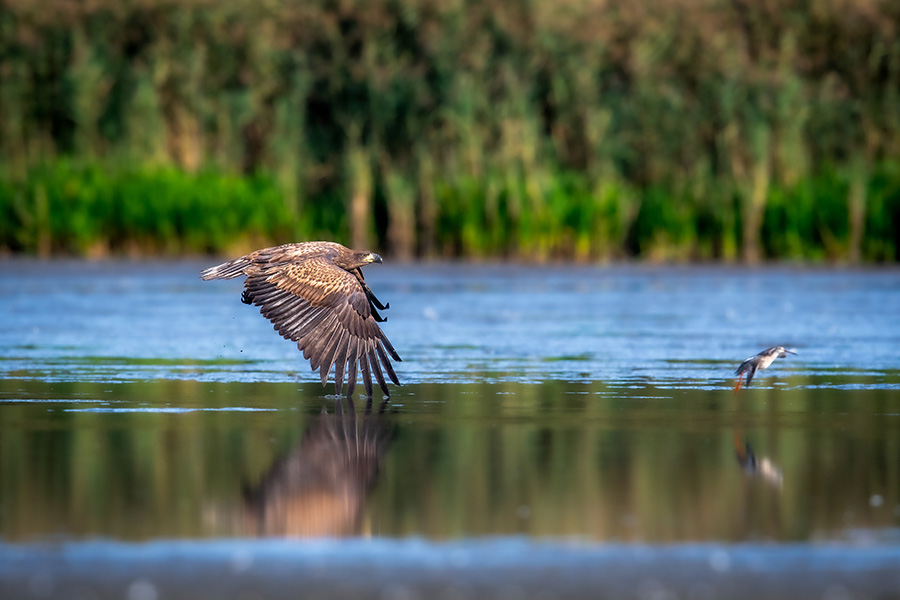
(753, 466)
(319, 489)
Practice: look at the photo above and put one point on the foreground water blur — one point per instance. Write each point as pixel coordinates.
(541, 407)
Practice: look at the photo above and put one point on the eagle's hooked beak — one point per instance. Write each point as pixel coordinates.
(373, 258)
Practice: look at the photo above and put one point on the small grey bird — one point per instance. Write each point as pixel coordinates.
(760, 361)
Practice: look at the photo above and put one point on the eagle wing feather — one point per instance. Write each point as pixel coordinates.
(322, 307)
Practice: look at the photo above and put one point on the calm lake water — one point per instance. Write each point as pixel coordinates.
(560, 432)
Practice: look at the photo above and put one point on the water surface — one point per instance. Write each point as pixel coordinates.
(543, 410)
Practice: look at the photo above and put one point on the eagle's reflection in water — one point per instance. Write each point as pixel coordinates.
(319, 489)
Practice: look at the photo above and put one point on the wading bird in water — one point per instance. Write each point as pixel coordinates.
(760, 361)
(315, 294)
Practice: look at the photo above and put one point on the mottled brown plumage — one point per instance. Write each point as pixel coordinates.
(315, 294)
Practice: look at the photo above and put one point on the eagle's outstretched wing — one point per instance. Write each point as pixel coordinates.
(321, 306)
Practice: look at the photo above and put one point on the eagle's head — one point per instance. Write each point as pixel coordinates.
(356, 259)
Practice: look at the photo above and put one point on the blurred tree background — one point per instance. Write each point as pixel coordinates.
(573, 129)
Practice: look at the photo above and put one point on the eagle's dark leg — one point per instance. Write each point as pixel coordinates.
(373, 300)
(374, 303)
(246, 298)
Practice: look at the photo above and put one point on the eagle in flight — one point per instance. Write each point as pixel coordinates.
(314, 293)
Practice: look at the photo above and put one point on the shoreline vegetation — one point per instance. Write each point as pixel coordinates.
(598, 130)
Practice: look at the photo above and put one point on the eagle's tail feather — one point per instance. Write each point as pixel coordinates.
(229, 270)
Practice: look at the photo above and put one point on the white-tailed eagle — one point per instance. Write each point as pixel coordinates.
(315, 294)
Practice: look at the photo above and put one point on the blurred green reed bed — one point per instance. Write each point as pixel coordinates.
(573, 129)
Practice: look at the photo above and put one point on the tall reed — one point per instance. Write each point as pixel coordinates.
(588, 130)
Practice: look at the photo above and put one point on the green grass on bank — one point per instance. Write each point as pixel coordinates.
(95, 210)
(62, 209)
